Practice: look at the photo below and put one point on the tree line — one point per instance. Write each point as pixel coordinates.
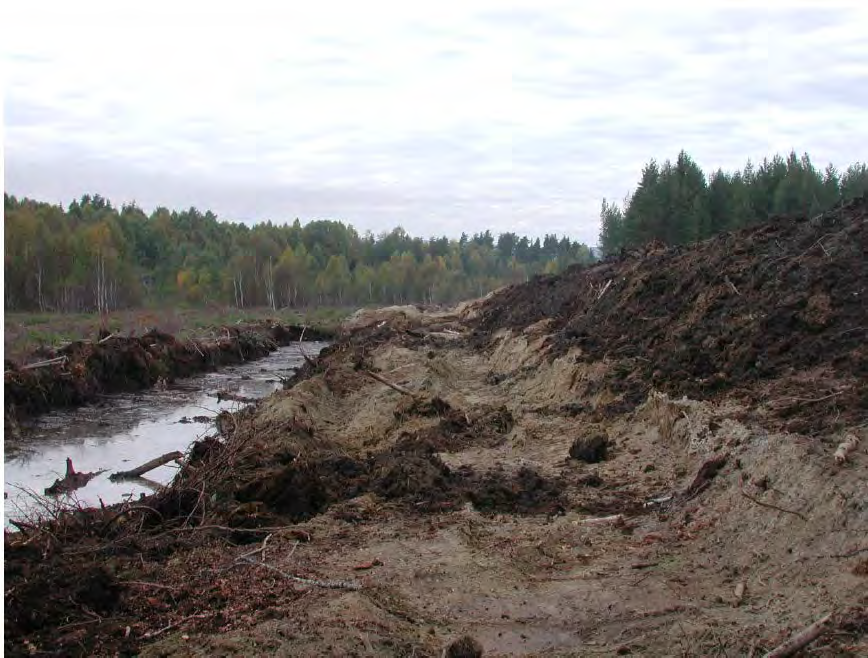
(92, 256)
(677, 203)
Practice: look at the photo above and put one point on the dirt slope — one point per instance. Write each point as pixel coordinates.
(774, 303)
(415, 483)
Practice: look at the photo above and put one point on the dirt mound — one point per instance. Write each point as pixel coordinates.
(526, 492)
(729, 313)
(455, 429)
(410, 473)
(410, 489)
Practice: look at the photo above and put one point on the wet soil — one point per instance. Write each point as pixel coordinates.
(394, 514)
(86, 370)
(123, 430)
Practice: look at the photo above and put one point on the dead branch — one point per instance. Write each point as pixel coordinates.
(770, 506)
(293, 531)
(152, 634)
(144, 584)
(604, 289)
(786, 401)
(307, 359)
(852, 553)
(71, 481)
(617, 519)
(256, 551)
(147, 466)
(325, 584)
(106, 339)
(42, 364)
(395, 387)
(729, 282)
(800, 640)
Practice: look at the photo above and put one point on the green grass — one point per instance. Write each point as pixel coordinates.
(26, 332)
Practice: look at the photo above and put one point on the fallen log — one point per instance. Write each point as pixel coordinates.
(71, 481)
(147, 466)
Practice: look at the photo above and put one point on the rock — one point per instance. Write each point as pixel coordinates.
(590, 449)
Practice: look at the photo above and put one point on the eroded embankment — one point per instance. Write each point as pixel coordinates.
(83, 370)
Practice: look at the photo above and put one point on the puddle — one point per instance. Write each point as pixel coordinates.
(124, 431)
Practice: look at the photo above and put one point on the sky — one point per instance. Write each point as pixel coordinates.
(508, 115)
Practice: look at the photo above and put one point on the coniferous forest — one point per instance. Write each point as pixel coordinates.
(93, 256)
(677, 203)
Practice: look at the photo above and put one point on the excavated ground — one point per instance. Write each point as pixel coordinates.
(488, 472)
(83, 370)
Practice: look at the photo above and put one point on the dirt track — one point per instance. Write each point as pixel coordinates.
(398, 522)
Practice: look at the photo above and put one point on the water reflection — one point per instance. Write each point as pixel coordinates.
(123, 431)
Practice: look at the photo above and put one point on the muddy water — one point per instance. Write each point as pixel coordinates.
(127, 430)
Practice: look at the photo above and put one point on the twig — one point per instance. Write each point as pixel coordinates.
(144, 584)
(812, 400)
(41, 364)
(202, 615)
(729, 282)
(604, 288)
(261, 549)
(107, 339)
(78, 623)
(301, 349)
(272, 529)
(325, 584)
(385, 381)
(601, 520)
(852, 553)
(800, 640)
(770, 506)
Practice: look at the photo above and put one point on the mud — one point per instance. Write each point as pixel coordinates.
(87, 370)
(410, 473)
(389, 515)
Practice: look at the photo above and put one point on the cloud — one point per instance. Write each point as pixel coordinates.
(513, 116)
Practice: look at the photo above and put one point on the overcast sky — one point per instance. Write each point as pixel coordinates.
(440, 117)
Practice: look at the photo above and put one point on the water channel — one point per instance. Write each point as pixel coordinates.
(126, 430)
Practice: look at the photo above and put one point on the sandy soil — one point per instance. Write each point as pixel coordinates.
(488, 472)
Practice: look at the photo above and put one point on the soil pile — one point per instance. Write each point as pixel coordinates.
(733, 312)
(518, 471)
